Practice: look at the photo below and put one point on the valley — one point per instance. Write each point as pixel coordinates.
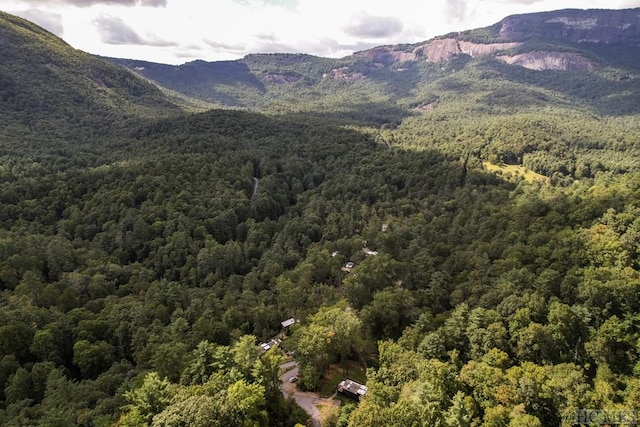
(158, 222)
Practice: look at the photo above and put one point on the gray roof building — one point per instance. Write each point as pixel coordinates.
(352, 389)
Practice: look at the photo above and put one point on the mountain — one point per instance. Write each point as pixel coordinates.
(574, 26)
(44, 79)
(559, 40)
(575, 74)
(460, 232)
(579, 41)
(582, 65)
(58, 104)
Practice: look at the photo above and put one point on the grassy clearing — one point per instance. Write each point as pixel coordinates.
(515, 171)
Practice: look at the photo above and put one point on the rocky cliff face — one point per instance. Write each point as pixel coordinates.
(443, 50)
(387, 55)
(574, 26)
(561, 61)
(446, 49)
(567, 26)
(438, 50)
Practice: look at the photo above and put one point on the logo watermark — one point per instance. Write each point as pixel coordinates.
(604, 417)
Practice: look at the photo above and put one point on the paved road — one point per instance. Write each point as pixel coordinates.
(256, 181)
(305, 400)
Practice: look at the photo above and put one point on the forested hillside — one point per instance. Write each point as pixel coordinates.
(147, 251)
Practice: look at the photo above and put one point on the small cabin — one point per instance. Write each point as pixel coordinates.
(348, 266)
(269, 344)
(286, 323)
(352, 389)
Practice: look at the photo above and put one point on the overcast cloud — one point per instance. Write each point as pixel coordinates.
(283, 3)
(457, 10)
(373, 27)
(177, 31)
(88, 3)
(114, 30)
(521, 1)
(49, 20)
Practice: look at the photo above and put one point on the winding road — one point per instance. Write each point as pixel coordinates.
(256, 181)
(305, 400)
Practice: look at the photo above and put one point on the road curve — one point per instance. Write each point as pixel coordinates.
(305, 400)
(256, 181)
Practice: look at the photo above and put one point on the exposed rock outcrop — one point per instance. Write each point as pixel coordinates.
(562, 61)
(478, 49)
(425, 107)
(387, 55)
(438, 50)
(343, 73)
(282, 78)
(567, 26)
(574, 25)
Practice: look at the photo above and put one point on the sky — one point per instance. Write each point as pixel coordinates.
(179, 31)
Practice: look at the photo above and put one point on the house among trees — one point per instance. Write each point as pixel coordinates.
(352, 389)
(275, 342)
(286, 323)
(347, 267)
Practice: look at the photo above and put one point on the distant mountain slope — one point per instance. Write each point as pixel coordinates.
(251, 82)
(558, 107)
(578, 41)
(567, 37)
(198, 79)
(44, 80)
(575, 26)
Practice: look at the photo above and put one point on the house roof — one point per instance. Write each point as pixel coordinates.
(289, 322)
(351, 387)
(348, 266)
(272, 343)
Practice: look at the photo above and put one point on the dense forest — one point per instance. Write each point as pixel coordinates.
(147, 251)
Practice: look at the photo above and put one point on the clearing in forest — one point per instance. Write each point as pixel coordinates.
(515, 171)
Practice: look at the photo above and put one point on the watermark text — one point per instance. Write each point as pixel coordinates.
(592, 417)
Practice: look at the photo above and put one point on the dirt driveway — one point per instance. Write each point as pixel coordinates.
(306, 400)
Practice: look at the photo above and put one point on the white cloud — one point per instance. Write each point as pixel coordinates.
(113, 30)
(48, 20)
(88, 3)
(373, 27)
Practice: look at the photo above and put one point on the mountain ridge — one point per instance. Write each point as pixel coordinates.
(142, 266)
(43, 77)
(577, 25)
(571, 40)
(566, 25)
